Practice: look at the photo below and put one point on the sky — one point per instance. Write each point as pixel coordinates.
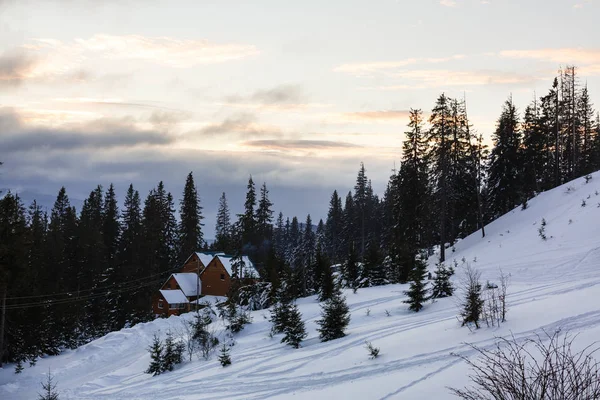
(296, 94)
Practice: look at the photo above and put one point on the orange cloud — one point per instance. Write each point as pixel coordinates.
(386, 115)
(386, 66)
(559, 56)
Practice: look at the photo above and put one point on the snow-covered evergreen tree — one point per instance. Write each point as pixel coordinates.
(156, 357)
(294, 328)
(418, 293)
(335, 317)
(442, 287)
(224, 357)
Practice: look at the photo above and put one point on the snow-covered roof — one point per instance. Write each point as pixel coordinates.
(188, 283)
(205, 258)
(174, 296)
(248, 272)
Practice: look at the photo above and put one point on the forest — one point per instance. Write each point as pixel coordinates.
(68, 276)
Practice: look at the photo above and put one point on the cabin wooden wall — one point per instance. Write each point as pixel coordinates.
(215, 279)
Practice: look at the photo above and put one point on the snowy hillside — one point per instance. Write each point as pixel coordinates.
(554, 284)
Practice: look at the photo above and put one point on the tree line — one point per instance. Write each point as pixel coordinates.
(68, 277)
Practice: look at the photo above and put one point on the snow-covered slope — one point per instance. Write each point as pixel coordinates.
(554, 284)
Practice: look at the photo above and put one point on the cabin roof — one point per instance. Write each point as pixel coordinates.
(248, 271)
(188, 282)
(174, 296)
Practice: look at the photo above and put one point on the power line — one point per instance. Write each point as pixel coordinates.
(70, 293)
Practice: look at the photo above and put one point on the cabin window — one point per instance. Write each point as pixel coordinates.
(160, 304)
(173, 306)
(222, 277)
(182, 305)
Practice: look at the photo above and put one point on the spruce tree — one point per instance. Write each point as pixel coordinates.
(281, 308)
(333, 228)
(442, 287)
(191, 238)
(418, 293)
(156, 357)
(472, 305)
(247, 220)
(49, 389)
(264, 215)
(224, 357)
(505, 169)
(294, 329)
(350, 271)
(169, 355)
(335, 317)
(223, 239)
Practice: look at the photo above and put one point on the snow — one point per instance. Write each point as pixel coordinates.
(174, 296)
(189, 283)
(554, 284)
(205, 258)
(249, 270)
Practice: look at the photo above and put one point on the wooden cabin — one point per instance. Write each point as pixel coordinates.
(176, 294)
(180, 293)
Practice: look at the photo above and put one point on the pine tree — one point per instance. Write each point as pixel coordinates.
(411, 195)
(223, 239)
(472, 305)
(111, 232)
(442, 287)
(49, 389)
(294, 329)
(169, 356)
(19, 366)
(333, 228)
(324, 278)
(505, 169)
(190, 228)
(132, 306)
(224, 357)
(248, 219)
(418, 293)
(335, 317)
(440, 135)
(281, 308)
(264, 215)
(156, 356)
(350, 271)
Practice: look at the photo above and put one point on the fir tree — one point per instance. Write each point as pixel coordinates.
(335, 317)
(333, 228)
(49, 389)
(169, 356)
(350, 271)
(472, 305)
(224, 357)
(264, 214)
(248, 218)
(505, 168)
(417, 292)
(156, 356)
(294, 329)
(442, 287)
(190, 228)
(223, 239)
(280, 310)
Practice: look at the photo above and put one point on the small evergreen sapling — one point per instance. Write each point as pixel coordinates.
(335, 317)
(280, 311)
(373, 351)
(294, 330)
(169, 356)
(418, 291)
(224, 357)
(156, 356)
(49, 389)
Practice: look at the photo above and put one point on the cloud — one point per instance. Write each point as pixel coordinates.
(371, 68)
(243, 125)
(15, 67)
(448, 3)
(168, 51)
(385, 115)
(282, 97)
(559, 56)
(97, 135)
(285, 145)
